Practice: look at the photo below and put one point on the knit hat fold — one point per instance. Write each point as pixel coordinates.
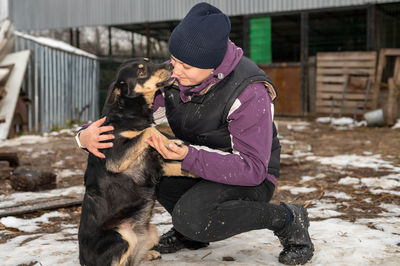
(201, 38)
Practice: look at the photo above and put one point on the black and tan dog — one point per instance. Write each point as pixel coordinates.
(117, 207)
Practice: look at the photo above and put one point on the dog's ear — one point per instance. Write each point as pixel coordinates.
(112, 96)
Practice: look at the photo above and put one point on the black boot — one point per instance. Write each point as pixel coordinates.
(172, 241)
(296, 242)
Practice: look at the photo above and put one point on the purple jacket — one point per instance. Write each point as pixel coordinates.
(250, 127)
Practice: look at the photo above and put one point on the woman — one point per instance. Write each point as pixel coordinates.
(222, 107)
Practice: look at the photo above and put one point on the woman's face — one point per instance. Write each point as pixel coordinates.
(188, 75)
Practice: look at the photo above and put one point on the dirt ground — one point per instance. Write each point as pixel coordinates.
(298, 137)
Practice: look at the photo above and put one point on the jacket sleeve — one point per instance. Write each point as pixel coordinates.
(159, 108)
(250, 126)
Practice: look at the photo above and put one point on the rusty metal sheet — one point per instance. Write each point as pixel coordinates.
(287, 82)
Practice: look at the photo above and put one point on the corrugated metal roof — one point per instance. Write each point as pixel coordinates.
(52, 14)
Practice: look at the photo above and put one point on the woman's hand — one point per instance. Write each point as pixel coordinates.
(91, 136)
(172, 152)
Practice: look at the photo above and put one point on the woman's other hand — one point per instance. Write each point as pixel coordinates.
(91, 137)
(172, 152)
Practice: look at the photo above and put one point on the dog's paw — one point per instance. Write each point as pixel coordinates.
(152, 255)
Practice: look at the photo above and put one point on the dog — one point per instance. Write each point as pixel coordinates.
(119, 199)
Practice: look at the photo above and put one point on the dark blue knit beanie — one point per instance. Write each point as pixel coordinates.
(201, 38)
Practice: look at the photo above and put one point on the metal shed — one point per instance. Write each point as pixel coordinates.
(61, 82)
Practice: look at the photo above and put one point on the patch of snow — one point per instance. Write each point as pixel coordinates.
(349, 181)
(385, 182)
(45, 249)
(357, 161)
(381, 191)
(30, 225)
(397, 125)
(62, 173)
(297, 190)
(286, 141)
(338, 195)
(341, 123)
(28, 139)
(323, 209)
(307, 178)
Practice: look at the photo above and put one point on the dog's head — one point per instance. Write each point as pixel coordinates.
(139, 78)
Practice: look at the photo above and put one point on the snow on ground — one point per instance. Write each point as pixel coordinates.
(342, 122)
(367, 241)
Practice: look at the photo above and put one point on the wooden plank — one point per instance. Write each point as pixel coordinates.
(346, 104)
(38, 205)
(13, 87)
(333, 79)
(348, 64)
(324, 87)
(396, 72)
(359, 97)
(391, 111)
(336, 111)
(379, 73)
(5, 72)
(391, 51)
(347, 56)
(346, 71)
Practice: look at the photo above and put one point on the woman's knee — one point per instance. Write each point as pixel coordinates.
(191, 220)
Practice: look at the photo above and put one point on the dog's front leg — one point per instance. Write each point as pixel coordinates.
(124, 153)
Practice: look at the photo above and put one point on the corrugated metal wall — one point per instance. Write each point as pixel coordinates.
(52, 14)
(61, 85)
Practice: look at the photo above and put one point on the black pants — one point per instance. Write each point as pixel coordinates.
(206, 211)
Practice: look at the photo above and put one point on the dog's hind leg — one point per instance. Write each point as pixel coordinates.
(152, 241)
(126, 232)
(145, 242)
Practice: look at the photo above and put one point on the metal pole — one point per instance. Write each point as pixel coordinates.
(304, 62)
(371, 27)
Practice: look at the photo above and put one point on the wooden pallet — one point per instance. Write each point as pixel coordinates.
(342, 81)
